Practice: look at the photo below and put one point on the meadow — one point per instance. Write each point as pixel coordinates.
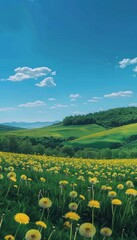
(51, 198)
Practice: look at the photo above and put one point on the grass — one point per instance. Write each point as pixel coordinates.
(58, 131)
(54, 178)
(107, 137)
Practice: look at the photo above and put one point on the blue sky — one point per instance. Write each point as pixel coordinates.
(60, 58)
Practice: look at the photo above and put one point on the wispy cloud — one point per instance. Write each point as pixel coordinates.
(59, 106)
(119, 94)
(127, 61)
(73, 97)
(94, 99)
(52, 99)
(5, 109)
(47, 82)
(132, 105)
(22, 73)
(53, 73)
(37, 103)
(78, 113)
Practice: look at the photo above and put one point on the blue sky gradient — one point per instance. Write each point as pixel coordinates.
(61, 58)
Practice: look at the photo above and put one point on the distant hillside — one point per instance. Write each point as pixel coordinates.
(112, 138)
(4, 128)
(108, 119)
(58, 131)
(29, 125)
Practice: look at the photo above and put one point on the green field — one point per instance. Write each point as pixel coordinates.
(91, 135)
(106, 137)
(58, 131)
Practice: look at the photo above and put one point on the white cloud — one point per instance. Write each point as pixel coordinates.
(73, 99)
(61, 105)
(74, 96)
(97, 98)
(53, 73)
(78, 113)
(92, 100)
(135, 69)
(132, 105)
(52, 99)
(22, 73)
(47, 82)
(37, 103)
(119, 94)
(127, 61)
(73, 105)
(5, 109)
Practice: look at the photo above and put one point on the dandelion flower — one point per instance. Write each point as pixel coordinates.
(94, 204)
(107, 232)
(9, 237)
(129, 184)
(41, 224)
(73, 206)
(87, 230)
(73, 194)
(23, 177)
(45, 202)
(33, 234)
(120, 186)
(112, 194)
(72, 216)
(22, 218)
(116, 202)
(82, 197)
(131, 191)
(67, 224)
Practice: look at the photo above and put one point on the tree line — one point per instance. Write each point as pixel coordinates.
(51, 146)
(108, 119)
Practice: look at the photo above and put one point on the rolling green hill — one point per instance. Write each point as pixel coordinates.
(58, 131)
(107, 138)
(4, 128)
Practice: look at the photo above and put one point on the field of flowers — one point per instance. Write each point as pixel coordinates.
(52, 198)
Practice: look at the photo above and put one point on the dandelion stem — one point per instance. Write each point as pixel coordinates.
(51, 234)
(42, 214)
(92, 191)
(92, 215)
(70, 237)
(17, 230)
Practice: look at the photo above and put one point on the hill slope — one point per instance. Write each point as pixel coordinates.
(4, 128)
(59, 131)
(107, 138)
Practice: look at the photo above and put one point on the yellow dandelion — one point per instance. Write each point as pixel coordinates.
(112, 194)
(45, 202)
(120, 186)
(129, 184)
(23, 177)
(11, 174)
(42, 179)
(13, 179)
(73, 194)
(33, 234)
(72, 216)
(107, 232)
(116, 202)
(82, 197)
(9, 237)
(94, 204)
(1, 176)
(41, 224)
(131, 192)
(22, 218)
(73, 206)
(87, 230)
(67, 224)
